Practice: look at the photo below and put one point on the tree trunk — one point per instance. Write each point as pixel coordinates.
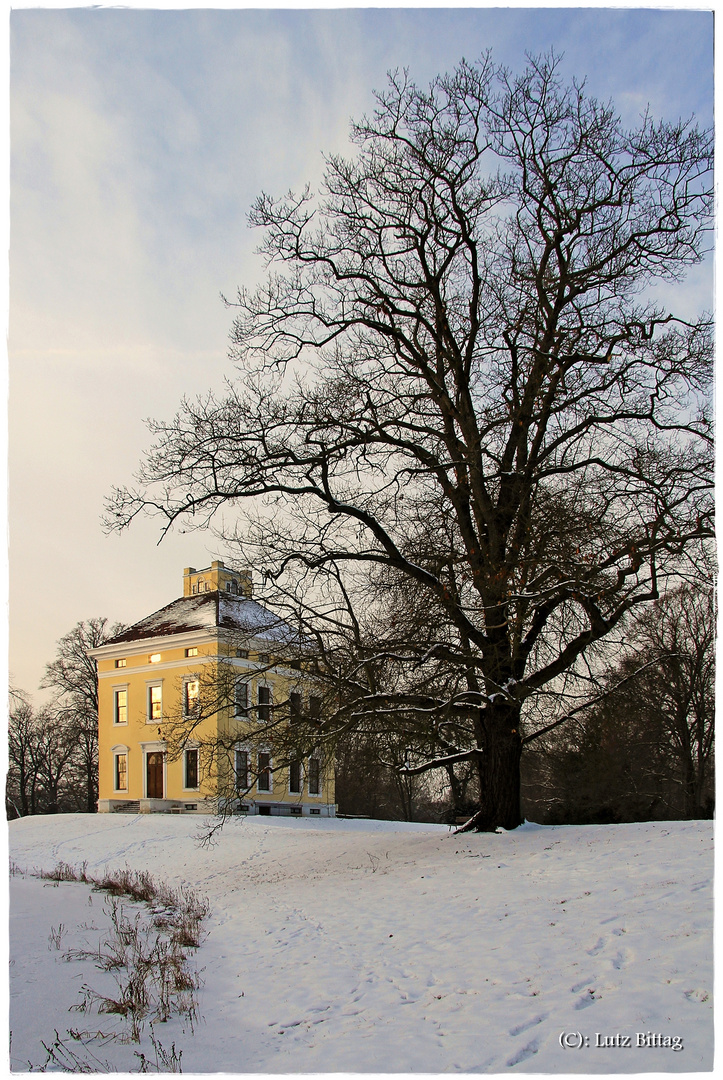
(694, 786)
(499, 771)
(457, 791)
(23, 791)
(689, 790)
(91, 781)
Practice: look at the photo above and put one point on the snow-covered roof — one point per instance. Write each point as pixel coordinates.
(209, 611)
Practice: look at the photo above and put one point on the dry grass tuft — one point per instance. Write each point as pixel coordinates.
(148, 961)
(65, 1055)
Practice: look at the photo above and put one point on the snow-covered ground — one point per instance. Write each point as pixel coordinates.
(360, 946)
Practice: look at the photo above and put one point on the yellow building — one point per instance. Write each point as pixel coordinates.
(183, 696)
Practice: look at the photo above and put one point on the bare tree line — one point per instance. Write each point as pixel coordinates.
(53, 749)
(644, 750)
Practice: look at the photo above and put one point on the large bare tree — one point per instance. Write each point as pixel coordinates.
(456, 375)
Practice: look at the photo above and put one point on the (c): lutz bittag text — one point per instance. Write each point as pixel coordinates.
(640, 1040)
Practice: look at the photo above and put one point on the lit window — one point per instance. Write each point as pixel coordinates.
(121, 662)
(314, 777)
(295, 777)
(264, 704)
(155, 701)
(241, 698)
(191, 768)
(190, 697)
(263, 782)
(121, 772)
(192, 652)
(120, 707)
(154, 658)
(242, 770)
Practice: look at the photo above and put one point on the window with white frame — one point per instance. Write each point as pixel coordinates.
(240, 698)
(155, 703)
(263, 779)
(190, 697)
(121, 662)
(192, 651)
(120, 706)
(190, 767)
(314, 776)
(295, 781)
(295, 707)
(241, 769)
(264, 704)
(315, 708)
(120, 771)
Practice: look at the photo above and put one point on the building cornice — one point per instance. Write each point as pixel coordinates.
(140, 646)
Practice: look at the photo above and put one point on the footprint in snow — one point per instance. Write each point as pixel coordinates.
(699, 995)
(526, 1052)
(528, 1024)
(596, 947)
(586, 1000)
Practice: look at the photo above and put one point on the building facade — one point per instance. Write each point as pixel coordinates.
(197, 703)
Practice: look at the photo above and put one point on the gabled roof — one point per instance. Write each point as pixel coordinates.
(210, 611)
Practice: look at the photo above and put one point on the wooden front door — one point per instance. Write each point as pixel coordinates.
(154, 776)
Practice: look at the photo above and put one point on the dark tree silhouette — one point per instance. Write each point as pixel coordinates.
(43, 761)
(74, 678)
(677, 694)
(646, 749)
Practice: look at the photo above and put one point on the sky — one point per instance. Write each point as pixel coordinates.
(139, 140)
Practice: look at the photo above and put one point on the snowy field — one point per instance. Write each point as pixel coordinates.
(360, 946)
